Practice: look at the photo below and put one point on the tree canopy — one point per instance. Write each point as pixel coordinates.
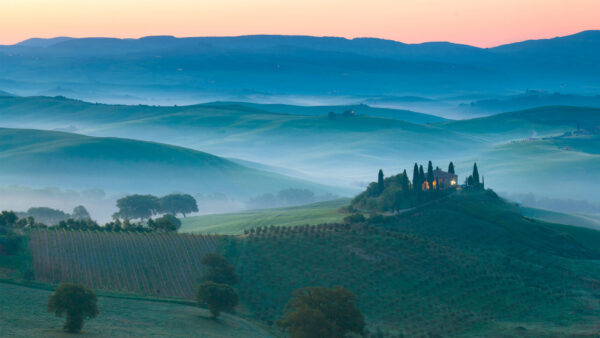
(137, 206)
(218, 269)
(178, 204)
(322, 312)
(166, 223)
(76, 301)
(80, 213)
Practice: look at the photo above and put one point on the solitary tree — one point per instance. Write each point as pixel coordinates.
(380, 186)
(178, 204)
(76, 301)
(451, 168)
(218, 269)
(322, 312)
(217, 297)
(80, 213)
(137, 206)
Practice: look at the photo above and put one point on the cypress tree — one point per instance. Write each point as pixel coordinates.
(451, 168)
(430, 175)
(380, 181)
(415, 180)
(475, 175)
(421, 176)
(405, 184)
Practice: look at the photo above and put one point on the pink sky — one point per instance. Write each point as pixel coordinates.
(482, 23)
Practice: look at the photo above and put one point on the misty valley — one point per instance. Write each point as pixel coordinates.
(299, 186)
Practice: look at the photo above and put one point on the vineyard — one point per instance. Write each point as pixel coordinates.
(155, 264)
(470, 264)
(413, 277)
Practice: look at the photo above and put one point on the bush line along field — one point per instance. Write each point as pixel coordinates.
(468, 263)
(156, 264)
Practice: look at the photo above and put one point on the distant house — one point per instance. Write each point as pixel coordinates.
(442, 180)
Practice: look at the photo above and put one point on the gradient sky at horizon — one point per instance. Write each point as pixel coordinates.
(482, 23)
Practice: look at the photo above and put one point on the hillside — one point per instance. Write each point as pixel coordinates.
(468, 264)
(45, 158)
(536, 122)
(528, 100)
(339, 151)
(359, 109)
(561, 167)
(236, 223)
(561, 218)
(24, 315)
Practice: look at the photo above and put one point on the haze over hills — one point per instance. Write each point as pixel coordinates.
(38, 158)
(164, 69)
(343, 150)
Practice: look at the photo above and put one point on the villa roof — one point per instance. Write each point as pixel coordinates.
(439, 173)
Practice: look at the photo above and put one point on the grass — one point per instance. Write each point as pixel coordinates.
(23, 314)
(236, 223)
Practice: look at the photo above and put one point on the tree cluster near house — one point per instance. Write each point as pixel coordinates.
(395, 193)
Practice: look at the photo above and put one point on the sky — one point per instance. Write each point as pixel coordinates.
(482, 23)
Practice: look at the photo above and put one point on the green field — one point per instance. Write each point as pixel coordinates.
(468, 264)
(236, 223)
(24, 315)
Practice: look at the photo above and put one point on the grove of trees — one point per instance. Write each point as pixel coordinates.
(145, 206)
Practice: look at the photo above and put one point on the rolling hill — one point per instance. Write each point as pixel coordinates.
(339, 151)
(561, 167)
(359, 109)
(46, 158)
(466, 265)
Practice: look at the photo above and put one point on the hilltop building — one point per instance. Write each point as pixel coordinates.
(441, 180)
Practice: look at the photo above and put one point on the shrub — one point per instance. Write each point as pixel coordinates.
(217, 297)
(322, 312)
(76, 301)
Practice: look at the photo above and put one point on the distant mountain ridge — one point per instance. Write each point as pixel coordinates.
(247, 68)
